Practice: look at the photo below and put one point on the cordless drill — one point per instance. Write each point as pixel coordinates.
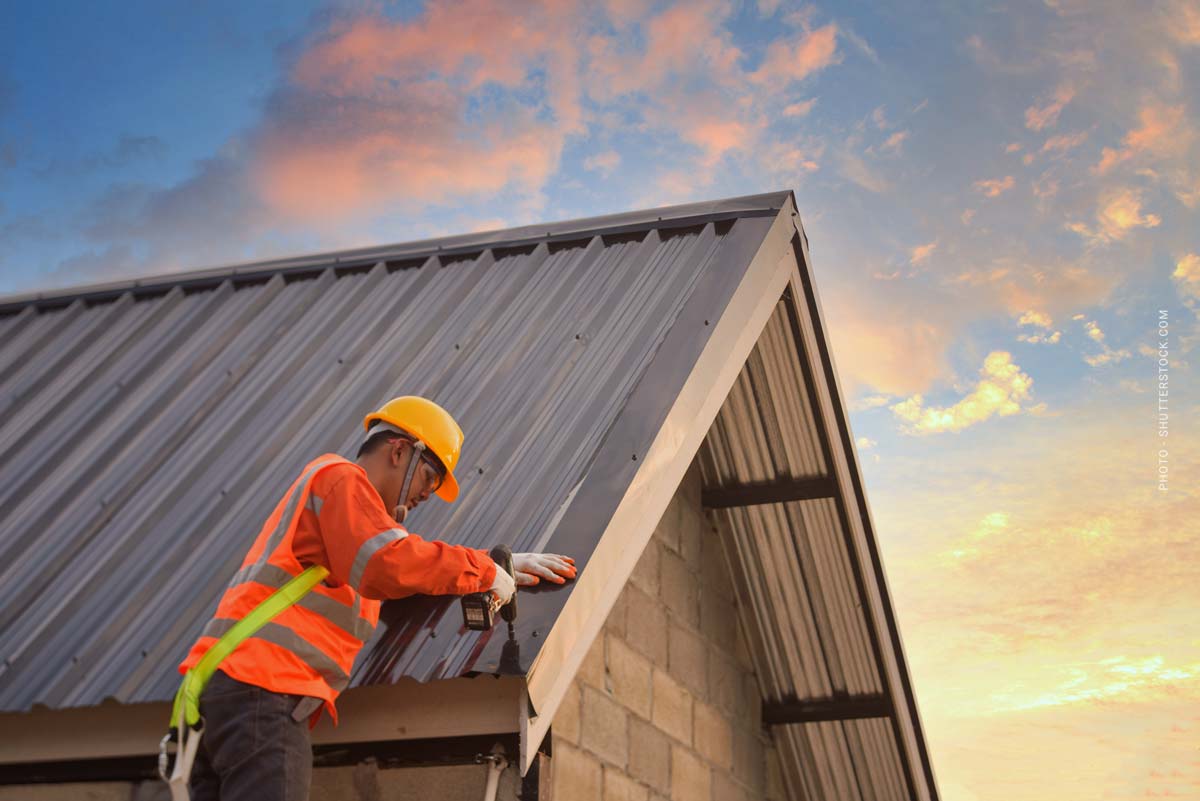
(479, 608)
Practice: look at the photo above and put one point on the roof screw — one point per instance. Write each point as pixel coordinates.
(706, 322)
(456, 346)
(635, 457)
(577, 336)
(480, 471)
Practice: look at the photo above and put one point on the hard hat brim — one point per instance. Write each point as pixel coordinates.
(448, 491)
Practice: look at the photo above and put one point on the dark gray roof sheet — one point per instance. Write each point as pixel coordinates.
(148, 428)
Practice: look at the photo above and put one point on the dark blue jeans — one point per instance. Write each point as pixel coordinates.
(252, 748)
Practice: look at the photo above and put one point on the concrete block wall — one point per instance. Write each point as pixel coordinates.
(666, 704)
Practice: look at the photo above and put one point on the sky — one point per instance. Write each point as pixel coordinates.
(1001, 201)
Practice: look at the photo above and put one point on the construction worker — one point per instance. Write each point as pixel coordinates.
(260, 705)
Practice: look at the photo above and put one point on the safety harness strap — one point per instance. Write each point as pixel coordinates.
(187, 699)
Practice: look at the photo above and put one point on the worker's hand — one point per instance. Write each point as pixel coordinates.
(503, 586)
(531, 568)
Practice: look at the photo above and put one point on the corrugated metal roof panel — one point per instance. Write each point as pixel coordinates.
(147, 432)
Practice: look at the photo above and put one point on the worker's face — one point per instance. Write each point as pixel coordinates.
(425, 480)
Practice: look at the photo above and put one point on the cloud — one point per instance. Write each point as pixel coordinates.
(415, 117)
(1107, 356)
(465, 102)
(853, 167)
(1040, 319)
(993, 187)
(967, 216)
(624, 13)
(1119, 213)
(879, 117)
(767, 8)
(1114, 677)
(1064, 142)
(604, 162)
(796, 59)
(1161, 134)
(871, 402)
(1001, 389)
(921, 253)
(883, 348)
(1187, 276)
(893, 142)
(1039, 117)
(799, 109)
(1040, 339)
(864, 443)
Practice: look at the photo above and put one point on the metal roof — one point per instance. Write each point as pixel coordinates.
(145, 424)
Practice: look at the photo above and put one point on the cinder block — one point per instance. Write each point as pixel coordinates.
(715, 570)
(646, 625)
(680, 589)
(725, 684)
(615, 624)
(691, 777)
(619, 787)
(629, 674)
(692, 533)
(752, 709)
(645, 572)
(667, 530)
(672, 707)
(592, 670)
(649, 755)
(576, 775)
(718, 618)
(687, 659)
(605, 727)
(713, 736)
(742, 651)
(748, 762)
(566, 720)
(724, 788)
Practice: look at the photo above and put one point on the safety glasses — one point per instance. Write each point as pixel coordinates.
(431, 461)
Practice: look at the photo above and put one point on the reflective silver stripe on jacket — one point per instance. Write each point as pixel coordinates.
(347, 618)
(284, 637)
(368, 549)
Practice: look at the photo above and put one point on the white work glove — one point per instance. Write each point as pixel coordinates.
(503, 586)
(531, 568)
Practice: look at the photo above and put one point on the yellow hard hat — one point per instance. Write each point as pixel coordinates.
(432, 425)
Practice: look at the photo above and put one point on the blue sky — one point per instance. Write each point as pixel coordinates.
(999, 198)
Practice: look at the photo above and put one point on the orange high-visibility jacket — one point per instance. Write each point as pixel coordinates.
(330, 516)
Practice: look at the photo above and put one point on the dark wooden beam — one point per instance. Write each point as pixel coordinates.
(792, 489)
(847, 707)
